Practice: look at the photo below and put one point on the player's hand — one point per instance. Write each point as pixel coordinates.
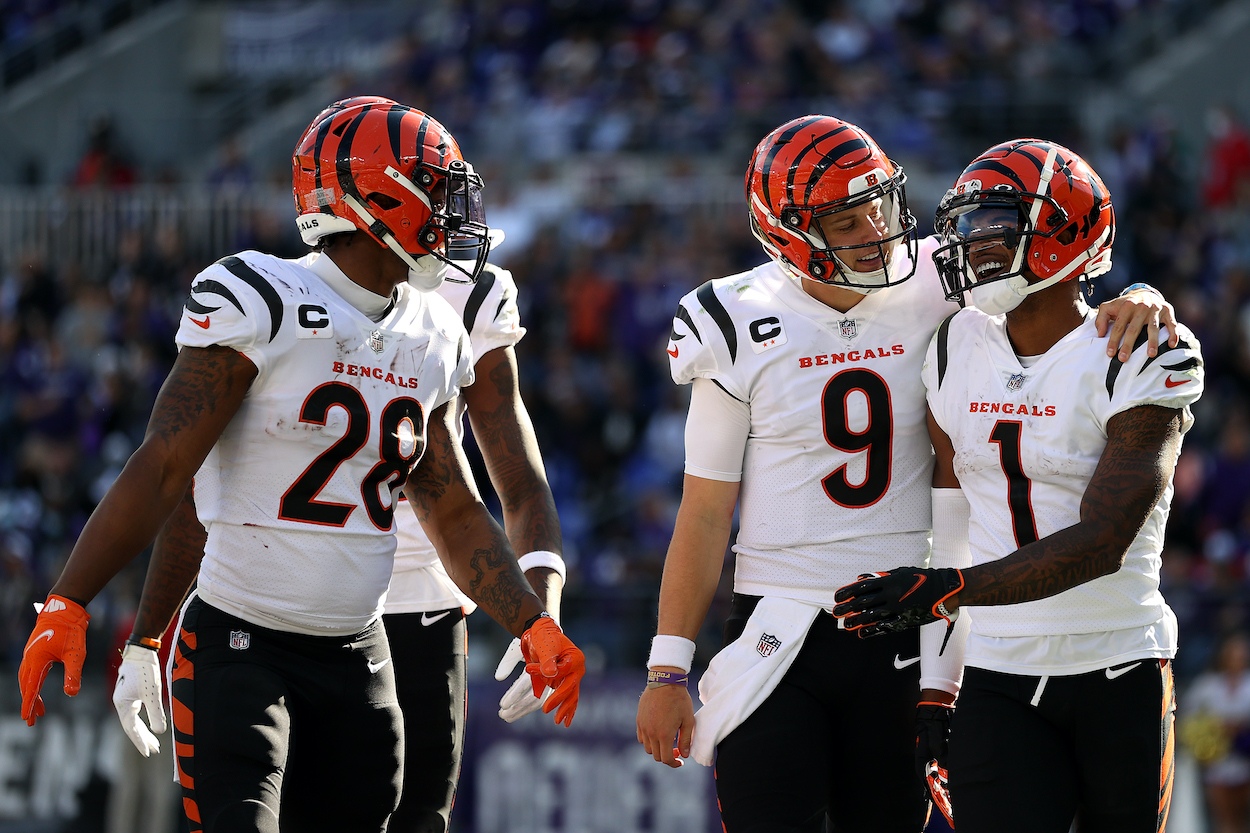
(139, 686)
(664, 714)
(933, 730)
(1127, 315)
(60, 635)
(519, 700)
(897, 600)
(552, 660)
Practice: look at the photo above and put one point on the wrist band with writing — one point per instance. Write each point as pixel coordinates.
(542, 558)
(655, 679)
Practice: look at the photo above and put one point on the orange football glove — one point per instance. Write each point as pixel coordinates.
(553, 660)
(60, 635)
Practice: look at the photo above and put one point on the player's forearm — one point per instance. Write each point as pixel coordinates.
(1130, 479)
(695, 556)
(176, 558)
(479, 560)
(122, 525)
(548, 586)
(505, 434)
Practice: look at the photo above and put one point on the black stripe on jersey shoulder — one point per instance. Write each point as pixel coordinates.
(481, 288)
(1115, 365)
(216, 288)
(727, 393)
(502, 302)
(684, 315)
(263, 288)
(1181, 344)
(943, 349)
(1190, 363)
(707, 297)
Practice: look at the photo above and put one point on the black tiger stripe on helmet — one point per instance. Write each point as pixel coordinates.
(818, 165)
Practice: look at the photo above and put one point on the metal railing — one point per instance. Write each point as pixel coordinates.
(86, 228)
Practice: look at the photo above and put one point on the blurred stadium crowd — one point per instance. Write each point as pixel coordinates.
(525, 86)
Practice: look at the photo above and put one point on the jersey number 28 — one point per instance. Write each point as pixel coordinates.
(402, 424)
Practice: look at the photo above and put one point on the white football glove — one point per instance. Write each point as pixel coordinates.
(519, 700)
(139, 684)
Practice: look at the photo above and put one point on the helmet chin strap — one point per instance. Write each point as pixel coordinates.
(425, 273)
(886, 273)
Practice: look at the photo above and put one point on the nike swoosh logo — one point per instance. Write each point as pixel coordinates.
(1112, 673)
(49, 633)
(427, 619)
(672, 352)
(375, 667)
(201, 324)
(919, 581)
(899, 662)
(1169, 383)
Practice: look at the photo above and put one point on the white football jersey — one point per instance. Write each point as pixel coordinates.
(838, 466)
(488, 309)
(298, 493)
(1027, 441)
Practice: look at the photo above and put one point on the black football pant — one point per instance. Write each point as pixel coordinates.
(836, 738)
(428, 650)
(277, 731)
(1028, 754)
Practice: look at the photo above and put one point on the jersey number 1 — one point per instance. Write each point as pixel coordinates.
(402, 422)
(1007, 434)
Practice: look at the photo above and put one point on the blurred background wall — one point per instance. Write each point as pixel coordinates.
(140, 140)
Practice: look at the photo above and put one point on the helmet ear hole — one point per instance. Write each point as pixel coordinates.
(1067, 235)
(383, 201)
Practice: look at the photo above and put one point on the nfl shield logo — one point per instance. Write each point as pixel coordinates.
(768, 644)
(376, 344)
(239, 640)
(846, 328)
(1015, 382)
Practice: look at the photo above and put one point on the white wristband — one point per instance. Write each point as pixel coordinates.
(542, 558)
(671, 651)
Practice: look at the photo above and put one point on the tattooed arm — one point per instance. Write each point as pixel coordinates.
(176, 558)
(199, 398)
(470, 543)
(502, 428)
(1132, 474)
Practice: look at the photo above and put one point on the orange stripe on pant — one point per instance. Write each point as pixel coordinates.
(1167, 768)
(183, 714)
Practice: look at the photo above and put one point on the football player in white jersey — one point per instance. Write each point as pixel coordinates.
(807, 415)
(424, 612)
(305, 394)
(1052, 485)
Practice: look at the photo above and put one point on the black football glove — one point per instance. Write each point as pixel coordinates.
(933, 730)
(898, 600)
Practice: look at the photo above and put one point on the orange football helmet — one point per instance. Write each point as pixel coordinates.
(1040, 201)
(818, 165)
(395, 173)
